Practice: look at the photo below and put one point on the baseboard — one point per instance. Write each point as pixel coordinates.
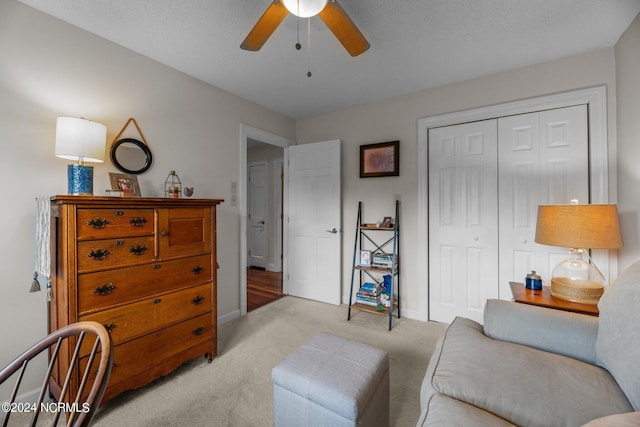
(229, 317)
(272, 267)
(415, 315)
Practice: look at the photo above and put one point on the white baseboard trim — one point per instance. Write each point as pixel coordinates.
(415, 315)
(229, 317)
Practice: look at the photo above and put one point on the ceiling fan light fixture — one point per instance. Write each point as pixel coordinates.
(305, 8)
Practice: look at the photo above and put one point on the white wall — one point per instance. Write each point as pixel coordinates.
(396, 119)
(49, 69)
(627, 53)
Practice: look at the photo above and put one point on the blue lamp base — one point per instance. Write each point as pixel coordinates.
(80, 180)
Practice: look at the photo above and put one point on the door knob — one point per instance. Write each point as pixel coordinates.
(332, 231)
(261, 222)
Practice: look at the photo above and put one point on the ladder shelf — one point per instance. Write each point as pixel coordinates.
(381, 243)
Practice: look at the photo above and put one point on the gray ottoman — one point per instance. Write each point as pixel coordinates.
(332, 382)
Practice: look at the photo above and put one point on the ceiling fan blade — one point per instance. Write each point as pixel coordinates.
(265, 26)
(343, 28)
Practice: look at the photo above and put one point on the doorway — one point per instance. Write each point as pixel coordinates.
(261, 213)
(264, 223)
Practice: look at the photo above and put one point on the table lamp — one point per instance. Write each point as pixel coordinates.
(579, 228)
(84, 141)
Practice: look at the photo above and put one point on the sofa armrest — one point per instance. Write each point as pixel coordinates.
(627, 419)
(569, 334)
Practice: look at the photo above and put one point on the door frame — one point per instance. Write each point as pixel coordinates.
(600, 169)
(278, 202)
(246, 133)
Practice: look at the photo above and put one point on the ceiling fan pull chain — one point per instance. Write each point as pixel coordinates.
(298, 45)
(309, 44)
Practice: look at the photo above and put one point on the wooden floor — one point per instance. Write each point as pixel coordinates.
(263, 287)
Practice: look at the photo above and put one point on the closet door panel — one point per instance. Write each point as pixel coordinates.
(463, 220)
(543, 159)
(519, 172)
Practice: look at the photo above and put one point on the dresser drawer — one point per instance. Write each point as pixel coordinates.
(104, 289)
(109, 253)
(116, 222)
(140, 318)
(141, 355)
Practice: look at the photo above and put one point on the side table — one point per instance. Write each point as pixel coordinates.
(543, 298)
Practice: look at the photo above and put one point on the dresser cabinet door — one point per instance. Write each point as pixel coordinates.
(184, 231)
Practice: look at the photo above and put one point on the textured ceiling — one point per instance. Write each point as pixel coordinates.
(415, 44)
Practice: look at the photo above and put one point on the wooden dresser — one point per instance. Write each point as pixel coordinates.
(146, 269)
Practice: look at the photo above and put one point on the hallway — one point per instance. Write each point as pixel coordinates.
(263, 287)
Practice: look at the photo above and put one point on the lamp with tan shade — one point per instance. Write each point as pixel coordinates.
(579, 228)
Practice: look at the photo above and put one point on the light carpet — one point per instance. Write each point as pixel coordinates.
(235, 389)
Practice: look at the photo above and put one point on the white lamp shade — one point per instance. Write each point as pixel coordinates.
(80, 139)
(305, 8)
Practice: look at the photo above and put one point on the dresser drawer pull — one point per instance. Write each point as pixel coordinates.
(98, 223)
(99, 254)
(110, 327)
(157, 300)
(119, 213)
(105, 289)
(119, 242)
(198, 331)
(157, 266)
(197, 269)
(138, 221)
(197, 300)
(138, 249)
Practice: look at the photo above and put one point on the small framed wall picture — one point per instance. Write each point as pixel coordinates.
(365, 258)
(128, 184)
(382, 159)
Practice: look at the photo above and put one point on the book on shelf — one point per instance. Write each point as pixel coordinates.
(383, 260)
(370, 287)
(367, 301)
(369, 294)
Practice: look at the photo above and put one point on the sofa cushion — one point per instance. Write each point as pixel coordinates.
(442, 410)
(618, 343)
(570, 334)
(522, 385)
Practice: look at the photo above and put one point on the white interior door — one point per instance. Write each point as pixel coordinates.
(258, 214)
(544, 159)
(314, 226)
(463, 220)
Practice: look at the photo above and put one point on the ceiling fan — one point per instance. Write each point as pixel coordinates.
(331, 13)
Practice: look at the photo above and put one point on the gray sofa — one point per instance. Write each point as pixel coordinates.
(533, 366)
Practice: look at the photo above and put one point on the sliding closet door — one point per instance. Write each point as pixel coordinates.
(463, 220)
(543, 159)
